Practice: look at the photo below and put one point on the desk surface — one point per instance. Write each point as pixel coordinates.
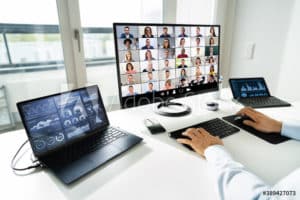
(159, 168)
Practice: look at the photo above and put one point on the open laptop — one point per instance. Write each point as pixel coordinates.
(70, 133)
(254, 92)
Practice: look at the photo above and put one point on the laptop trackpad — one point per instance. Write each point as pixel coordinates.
(74, 170)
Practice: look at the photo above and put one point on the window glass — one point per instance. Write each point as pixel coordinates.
(31, 57)
(98, 37)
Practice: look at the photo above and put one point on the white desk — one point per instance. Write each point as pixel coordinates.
(159, 168)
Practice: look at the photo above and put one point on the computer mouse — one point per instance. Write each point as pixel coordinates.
(241, 118)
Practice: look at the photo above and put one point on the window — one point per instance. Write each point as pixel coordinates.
(31, 57)
(98, 37)
(3, 53)
(34, 47)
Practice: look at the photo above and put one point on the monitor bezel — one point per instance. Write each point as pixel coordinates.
(89, 134)
(167, 97)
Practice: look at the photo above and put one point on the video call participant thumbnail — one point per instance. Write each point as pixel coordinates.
(128, 57)
(167, 54)
(182, 64)
(198, 32)
(127, 44)
(168, 85)
(130, 79)
(182, 32)
(197, 41)
(198, 52)
(148, 55)
(182, 54)
(183, 74)
(182, 43)
(147, 32)
(166, 65)
(149, 67)
(165, 33)
(211, 50)
(167, 74)
(166, 44)
(147, 45)
(211, 41)
(131, 91)
(130, 69)
(212, 32)
(150, 77)
(212, 70)
(150, 88)
(211, 78)
(197, 61)
(126, 33)
(183, 83)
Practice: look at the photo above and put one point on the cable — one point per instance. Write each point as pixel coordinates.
(12, 164)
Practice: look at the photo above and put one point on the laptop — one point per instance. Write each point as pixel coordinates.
(70, 133)
(254, 92)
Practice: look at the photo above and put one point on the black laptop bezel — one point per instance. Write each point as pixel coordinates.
(231, 86)
(89, 134)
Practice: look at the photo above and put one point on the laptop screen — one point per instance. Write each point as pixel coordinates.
(249, 87)
(56, 120)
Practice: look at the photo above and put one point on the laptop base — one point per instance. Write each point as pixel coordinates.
(263, 102)
(68, 171)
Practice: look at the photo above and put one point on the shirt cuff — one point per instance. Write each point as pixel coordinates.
(216, 153)
(291, 130)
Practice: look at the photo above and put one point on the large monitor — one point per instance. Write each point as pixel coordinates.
(160, 62)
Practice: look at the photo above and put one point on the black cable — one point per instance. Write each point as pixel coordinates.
(12, 164)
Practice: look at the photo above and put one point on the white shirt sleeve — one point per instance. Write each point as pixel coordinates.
(291, 130)
(234, 182)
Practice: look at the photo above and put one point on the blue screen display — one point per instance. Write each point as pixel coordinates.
(243, 88)
(56, 120)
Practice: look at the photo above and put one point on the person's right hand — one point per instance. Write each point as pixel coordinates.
(260, 121)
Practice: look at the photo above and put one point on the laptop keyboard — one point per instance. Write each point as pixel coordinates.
(90, 144)
(108, 136)
(260, 101)
(215, 127)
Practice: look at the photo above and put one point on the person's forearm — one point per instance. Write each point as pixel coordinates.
(233, 180)
(291, 130)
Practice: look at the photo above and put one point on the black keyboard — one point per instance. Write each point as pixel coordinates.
(215, 127)
(90, 144)
(108, 136)
(258, 102)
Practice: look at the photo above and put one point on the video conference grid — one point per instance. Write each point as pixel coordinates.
(157, 58)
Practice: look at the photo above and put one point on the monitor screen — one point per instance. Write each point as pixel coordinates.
(56, 120)
(156, 62)
(249, 87)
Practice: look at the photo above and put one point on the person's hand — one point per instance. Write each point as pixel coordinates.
(260, 121)
(199, 139)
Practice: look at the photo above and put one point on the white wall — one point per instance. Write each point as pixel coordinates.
(266, 23)
(225, 15)
(195, 11)
(288, 84)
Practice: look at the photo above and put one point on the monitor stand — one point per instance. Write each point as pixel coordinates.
(172, 109)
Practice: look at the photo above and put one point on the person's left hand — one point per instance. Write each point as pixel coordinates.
(199, 140)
